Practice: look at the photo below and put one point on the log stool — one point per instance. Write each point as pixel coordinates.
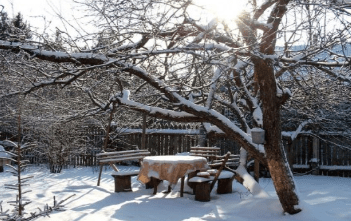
(201, 188)
(225, 182)
(123, 181)
(202, 191)
(225, 186)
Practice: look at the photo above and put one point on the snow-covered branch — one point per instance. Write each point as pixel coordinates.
(293, 134)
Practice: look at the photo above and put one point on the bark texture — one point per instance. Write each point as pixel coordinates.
(276, 159)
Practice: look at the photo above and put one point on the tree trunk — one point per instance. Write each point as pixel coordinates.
(276, 159)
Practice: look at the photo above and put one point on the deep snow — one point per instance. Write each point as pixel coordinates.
(323, 198)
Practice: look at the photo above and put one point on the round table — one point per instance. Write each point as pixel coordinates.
(170, 168)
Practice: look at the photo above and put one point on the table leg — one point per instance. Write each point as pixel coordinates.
(168, 190)
(182, 186)
(155, 185)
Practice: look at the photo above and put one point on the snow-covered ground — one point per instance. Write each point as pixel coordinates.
(323, 198)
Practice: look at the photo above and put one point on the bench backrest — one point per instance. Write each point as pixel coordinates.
(232, 162)
(211, 153)
(118, 156)
(214, 157)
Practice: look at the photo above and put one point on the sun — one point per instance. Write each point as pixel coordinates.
(223, 9)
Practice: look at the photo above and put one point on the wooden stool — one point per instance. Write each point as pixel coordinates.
(123, 180)
(225, 186)
(202, 191)
(122, 183)
(201, 188)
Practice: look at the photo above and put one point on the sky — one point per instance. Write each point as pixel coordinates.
(42, 14)
(34, 12)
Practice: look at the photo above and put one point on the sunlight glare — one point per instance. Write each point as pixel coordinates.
(223, 9)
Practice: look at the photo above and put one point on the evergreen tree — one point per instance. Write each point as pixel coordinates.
(15, 29)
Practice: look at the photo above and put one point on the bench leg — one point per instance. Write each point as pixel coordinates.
(123, 183)
(98, 183)
(202, 192)
(225, 186)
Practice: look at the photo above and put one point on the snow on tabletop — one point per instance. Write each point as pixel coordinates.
(173, 159)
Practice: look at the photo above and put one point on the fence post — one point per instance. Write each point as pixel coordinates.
(290, 153)
(257, 170)
(202, 136)
(315, 160)
(143, 137)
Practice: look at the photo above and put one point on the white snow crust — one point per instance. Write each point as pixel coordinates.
(322, 199)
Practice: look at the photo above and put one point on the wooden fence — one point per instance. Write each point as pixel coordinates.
(163, 142)
(324, 154)
(73, 160)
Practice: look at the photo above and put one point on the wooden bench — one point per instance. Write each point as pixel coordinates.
(233, 161)
(210, 153)
(214, 157)
(122, 178)
(202, 186)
